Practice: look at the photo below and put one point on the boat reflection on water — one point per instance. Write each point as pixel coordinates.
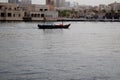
(52, 31)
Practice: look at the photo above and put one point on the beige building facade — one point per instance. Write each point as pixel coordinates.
(115, 6)
(10, 11)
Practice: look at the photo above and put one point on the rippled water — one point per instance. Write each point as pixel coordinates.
(85, 51)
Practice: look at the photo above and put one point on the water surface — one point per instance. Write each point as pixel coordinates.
(85, 51)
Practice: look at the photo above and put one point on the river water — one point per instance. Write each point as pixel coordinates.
(85, 51)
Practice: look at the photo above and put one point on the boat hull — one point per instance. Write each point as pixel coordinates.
(53, 26)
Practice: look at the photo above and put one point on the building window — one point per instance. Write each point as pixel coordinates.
(41, 9)
(10, 9)
(32, 15)
(9, 15)
(35, 15)
(38, 15)
(19, 15)
(25, 13)
(42, 15)
(14, 8)
(5, 8)
(2, 14)
(13, 15)
(0, 7)
(46, 9)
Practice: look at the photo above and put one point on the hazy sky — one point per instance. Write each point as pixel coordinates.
(81, 2)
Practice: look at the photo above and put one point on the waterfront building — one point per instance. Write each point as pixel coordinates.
(9, 11)
(34, 11)
(104, 8)
(59, 3)
(51, 15)
(37, 12)
(74, 4)
(41, 11)
(115, 6)
(13, 1)
(26, 2)
(50, 3)
(67, 4)
(41, 8)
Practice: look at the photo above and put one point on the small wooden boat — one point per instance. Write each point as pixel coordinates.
(46, 26)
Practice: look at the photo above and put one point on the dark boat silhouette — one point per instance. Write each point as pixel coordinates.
(50, 26)
(47, 26)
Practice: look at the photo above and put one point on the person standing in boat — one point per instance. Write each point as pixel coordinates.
(44, 19)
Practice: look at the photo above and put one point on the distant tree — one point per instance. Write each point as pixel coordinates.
(104, 11)
(119, 11)
(95, 11)
(116, 16)
(64, 13)
(112, 11)
(108, 15)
